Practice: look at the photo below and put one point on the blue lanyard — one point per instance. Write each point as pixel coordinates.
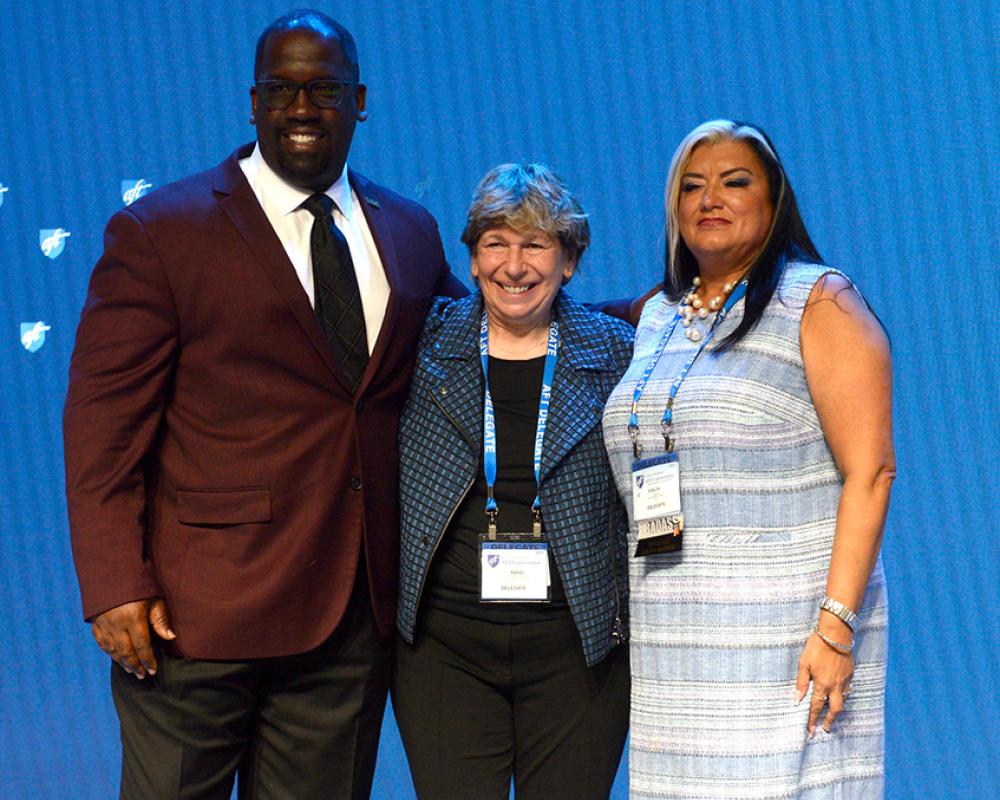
(668, 412)
(489, 420)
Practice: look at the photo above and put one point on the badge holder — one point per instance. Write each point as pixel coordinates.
(656, 487)
(656, 498)
(513, 566)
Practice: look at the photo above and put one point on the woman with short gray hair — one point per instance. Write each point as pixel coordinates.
(512, 599)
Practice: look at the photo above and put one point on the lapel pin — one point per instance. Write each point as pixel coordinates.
(373, 202)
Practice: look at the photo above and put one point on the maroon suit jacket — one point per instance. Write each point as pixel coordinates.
(214, 454)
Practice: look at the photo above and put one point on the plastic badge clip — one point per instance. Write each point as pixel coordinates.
(668, 443)
(633, 432)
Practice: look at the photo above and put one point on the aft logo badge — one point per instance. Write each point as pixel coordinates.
(33, 335)
(52, 241)
(133, 189)
(3, 190)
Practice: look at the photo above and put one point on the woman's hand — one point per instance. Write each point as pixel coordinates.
(830, 672)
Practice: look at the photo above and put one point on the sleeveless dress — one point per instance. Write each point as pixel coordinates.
(717, 628)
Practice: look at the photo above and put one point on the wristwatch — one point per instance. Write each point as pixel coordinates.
(839, 610)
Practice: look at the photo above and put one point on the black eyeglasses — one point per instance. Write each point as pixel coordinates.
(322, 93)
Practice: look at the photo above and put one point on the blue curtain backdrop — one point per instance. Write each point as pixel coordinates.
(886, 116)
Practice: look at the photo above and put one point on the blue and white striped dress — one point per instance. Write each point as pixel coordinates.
(717, 629)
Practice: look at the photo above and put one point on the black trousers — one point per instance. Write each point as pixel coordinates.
(299, 727)
(478, 703)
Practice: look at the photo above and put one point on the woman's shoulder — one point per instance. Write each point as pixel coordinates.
(615, 329)
(657, 312)
(799, 277)
(595, 327)
(445, 310)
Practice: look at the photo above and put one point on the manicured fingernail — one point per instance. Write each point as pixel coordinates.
(812, 732)
(826, 729)
(799, 694)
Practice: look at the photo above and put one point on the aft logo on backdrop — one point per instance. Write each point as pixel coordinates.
(3, 191)
(133, 189)
(52, 241)
(33, 335)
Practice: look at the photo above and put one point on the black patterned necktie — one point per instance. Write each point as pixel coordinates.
(338, 300)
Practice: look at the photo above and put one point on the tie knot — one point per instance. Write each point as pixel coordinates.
(319, 205)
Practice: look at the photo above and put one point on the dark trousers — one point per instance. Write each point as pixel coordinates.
(480, 702)
(299, 727)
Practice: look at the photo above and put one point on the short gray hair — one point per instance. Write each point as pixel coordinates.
(527, 197)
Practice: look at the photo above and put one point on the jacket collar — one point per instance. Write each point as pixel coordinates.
(576, 404)
(237, 200)
(459, 337)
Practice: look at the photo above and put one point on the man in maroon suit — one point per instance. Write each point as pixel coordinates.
(230, 429)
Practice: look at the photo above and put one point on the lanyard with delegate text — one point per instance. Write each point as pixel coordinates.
(640, 387)
(489, 422)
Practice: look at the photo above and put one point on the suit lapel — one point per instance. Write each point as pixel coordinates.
(380, 226)
(239, 203)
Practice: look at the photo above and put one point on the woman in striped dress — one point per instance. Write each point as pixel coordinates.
(751, 440)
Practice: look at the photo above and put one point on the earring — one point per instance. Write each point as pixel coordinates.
(253, 120)
(362, 116)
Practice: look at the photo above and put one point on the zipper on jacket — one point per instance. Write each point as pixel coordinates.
(451, 516)
(437, 543)
(618, 635)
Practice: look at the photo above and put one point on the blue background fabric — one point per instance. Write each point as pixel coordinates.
(885, 112)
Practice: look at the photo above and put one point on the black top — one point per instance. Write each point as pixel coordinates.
(453, 582)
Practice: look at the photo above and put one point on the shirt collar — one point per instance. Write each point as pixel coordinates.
(287, 198)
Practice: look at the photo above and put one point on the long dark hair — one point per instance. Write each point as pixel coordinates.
(788, 239)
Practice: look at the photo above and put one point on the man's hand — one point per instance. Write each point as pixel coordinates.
(637, 304)
(123, 633)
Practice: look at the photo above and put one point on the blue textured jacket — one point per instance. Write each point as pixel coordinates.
(440, 446)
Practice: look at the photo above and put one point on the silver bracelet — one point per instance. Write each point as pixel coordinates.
(839, 610)
(843, 649)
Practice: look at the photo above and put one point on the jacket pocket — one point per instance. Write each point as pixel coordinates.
(224, 506)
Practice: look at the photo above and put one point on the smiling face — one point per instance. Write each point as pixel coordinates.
(724, 211)
(305, 145)
(520, 274)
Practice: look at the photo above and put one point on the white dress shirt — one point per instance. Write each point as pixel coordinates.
(282, 205)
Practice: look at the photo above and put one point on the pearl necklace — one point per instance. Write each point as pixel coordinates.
(692, 306)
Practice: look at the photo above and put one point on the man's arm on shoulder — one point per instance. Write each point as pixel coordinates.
(447, 285)
(626, 308)
(450, 286)
(126, 348)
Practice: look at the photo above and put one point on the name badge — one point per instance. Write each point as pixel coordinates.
(656, 504)
(514, 567)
